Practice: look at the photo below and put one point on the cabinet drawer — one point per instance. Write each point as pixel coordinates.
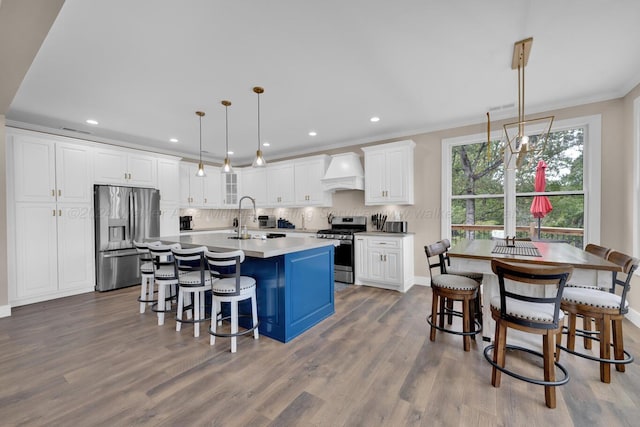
(376, 242)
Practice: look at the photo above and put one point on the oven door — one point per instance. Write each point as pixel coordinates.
(343, 262)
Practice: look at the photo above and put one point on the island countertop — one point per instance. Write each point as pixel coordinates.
(255, 247)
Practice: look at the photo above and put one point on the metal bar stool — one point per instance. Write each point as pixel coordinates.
(193, 281)
(147, 283)
(165, 277)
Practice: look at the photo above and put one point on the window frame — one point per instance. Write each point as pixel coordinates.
(592, 175)
(636, 178)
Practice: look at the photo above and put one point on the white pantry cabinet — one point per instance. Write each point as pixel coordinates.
(384, 261)
(280, 188)
(308, 174)
(388, 173)
(50, 204)
(125, 167)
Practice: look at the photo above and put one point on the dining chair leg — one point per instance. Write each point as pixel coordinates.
(161, 303)
(179, 310)
(558, 341)
(466, 327)
(548, 341)
(618, 343)
(586, 325)
(214, 319)
(143, 293)
(234, 325)
(195, 303)
(442, 311)
(499, 350)
(571, 335)
(254, 312)
(434, 314)
(449, 310)
(605, 349)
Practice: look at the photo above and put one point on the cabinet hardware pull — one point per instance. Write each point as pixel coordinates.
(60, 212)
(54, 212)
(59, 192)
(53, 193)
(385, 258)
(125, 175)
(205, 200)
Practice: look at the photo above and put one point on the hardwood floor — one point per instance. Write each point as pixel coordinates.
(93, 360)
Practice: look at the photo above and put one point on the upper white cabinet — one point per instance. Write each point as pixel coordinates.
(200, 191)
(280, 187)
(212, 191)
(308, 174)
(169, 181)
(47, 170)
(388, 173)
(125, 167)
(254, 184)
(231, 189)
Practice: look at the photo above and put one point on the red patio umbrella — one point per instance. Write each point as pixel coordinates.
(540, 206)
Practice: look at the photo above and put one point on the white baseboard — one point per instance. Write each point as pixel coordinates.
(421, 280)
(5, 311)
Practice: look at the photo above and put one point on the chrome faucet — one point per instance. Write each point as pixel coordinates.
(255, 217)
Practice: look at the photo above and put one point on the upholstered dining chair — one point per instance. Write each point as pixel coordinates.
(607, 308)
(447, 288)
(165, 277)
(147, 282)
(515, 308)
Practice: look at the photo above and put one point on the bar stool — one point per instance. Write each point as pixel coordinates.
(514, 308)
(447, 288)
(231, 287)
(193, 281)
(608, 309)
(165, 276)
(147, 284)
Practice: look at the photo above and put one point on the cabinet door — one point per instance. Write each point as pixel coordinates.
(34, 169)
(375, 177)
(393, 266)
(185, 185)
(110, 167)
(212, 196)
(142, 170)
(74, 182)
(360, 255)
(169, 182)
(196, 187)
(36, 249)
(280, 184)
(375, 263)
(308, 183)
(254, 184)
(396, 176)
(230, 190)
(75, 247)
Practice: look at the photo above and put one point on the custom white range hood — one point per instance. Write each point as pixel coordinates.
(344, 173)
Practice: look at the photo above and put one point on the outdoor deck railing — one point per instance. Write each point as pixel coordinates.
(573, 236)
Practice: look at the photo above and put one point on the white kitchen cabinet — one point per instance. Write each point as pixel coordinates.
(280, 187)
(50, 211)
(37, 179)
(254, 184)
(308, 174)
(169, 219)
(200, 191)
(231, 189)
(384, 261)
(212, 189)
(125, 167)
(388, 173)
(169, 181)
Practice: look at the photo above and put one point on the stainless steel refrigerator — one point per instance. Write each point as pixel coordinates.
(123, 214)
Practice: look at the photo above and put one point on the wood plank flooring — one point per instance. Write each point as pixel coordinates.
(93, 360)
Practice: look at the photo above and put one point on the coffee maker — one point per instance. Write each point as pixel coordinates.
(185, 223)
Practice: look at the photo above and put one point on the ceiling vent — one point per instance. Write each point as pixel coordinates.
(344, 173)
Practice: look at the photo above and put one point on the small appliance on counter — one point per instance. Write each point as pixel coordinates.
(185, 223)
(283, 223)
(395, 226)
(266, 221)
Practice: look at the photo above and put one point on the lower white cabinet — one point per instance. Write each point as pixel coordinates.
(384, 261)
(54, 251)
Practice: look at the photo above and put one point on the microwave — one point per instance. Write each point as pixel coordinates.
(395, 226)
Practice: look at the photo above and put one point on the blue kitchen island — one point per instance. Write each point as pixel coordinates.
(294, 278)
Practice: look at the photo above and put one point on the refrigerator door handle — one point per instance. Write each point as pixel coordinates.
(132, 222)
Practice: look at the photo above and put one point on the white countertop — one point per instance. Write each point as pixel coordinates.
(255, 247)
(384, 233)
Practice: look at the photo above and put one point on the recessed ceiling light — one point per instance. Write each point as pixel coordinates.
(374, 119)
(230, 153)
(173, 140)
(92, 122)
(266, 144)
(313, 133)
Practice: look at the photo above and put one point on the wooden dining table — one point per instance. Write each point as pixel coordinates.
(476, 256)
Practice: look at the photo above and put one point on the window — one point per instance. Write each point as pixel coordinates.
(636, 180)
(487, 200)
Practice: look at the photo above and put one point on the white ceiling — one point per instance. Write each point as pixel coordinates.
(142, 68)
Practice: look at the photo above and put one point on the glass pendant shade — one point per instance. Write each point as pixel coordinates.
(226, 168)
(200, 172)
(259, 160)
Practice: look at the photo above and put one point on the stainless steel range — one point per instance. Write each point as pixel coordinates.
(343, 228)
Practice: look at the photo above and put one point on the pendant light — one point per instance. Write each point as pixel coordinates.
(226, 168)
(521, 144)
(259, 160)
(200, 172)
